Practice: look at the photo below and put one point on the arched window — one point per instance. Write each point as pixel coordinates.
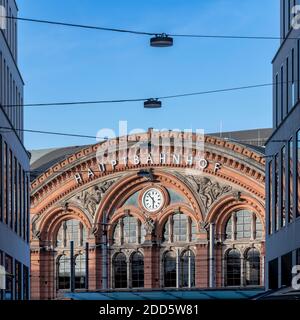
(258, 228)
(170, 269)
(233, 268)
(194, 231)
(64, 272)
(187, 272)
(71, 230)
(252, 264)
(180, 222)
(183, 229)
(120, 271)
(128, 230)
(117, 233)
(137, 270)
(166, 232)
(228, 229)
(80, 271)
(243, 224)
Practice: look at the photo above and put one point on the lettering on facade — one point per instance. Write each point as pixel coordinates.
(148, 159)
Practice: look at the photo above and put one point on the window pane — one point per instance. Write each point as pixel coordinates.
(120, 271)
(298, 172)
(170, 269)
(180, 227)
(130, 228)
(243, 224)
(187, 269)
(137, 270)
(252, 268)
(233, 268)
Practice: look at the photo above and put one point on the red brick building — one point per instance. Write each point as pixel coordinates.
(158, 223)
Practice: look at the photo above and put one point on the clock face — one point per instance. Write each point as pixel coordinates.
(153, 200)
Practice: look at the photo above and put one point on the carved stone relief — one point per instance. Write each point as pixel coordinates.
(209, 191)
(91, 198)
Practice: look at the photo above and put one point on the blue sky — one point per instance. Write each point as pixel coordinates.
(67, 64)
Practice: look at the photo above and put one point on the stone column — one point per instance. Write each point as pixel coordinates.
(177, 268)
(201, 260)
(212, 282)
(151, 263)
(243, 280)
(95, 266)
(201, 266)
(48, 276)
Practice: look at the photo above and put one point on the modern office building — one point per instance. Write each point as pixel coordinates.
(14, 166)
(283, 154)
(146, 216)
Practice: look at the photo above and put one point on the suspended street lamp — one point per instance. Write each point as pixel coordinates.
(161, 41)
(152, 104)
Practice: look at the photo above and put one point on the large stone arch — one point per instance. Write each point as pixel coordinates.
(220, 212)
(132, 183)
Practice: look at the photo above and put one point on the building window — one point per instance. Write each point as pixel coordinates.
(276, 193)
(298, 68)
(64, 272)
(273, 274)
(298, 174)
(179, 227)
(276, 101)
(298, 257)
(120, 271)
(80, 271)
(252, 267)
(258, 229)
(128, 230)
(137, 270)
(291, 182)
(281, 94)
(9, 277)
(287, 87)
(71, 230)
(243, 224)
(170, 270)
(194, 231)
(166, 236)
(293, 78)
(283, 189)
(228, 229)
(233, 268)
(25, 283)
(286, 269)
(18, 280)
(271, 200)
(117, 233)
(187, 270)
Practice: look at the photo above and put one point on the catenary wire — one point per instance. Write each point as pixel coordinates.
(145, 33)
(48, 104)
(55, 133)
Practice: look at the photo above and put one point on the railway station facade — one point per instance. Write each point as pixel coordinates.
(157, 218)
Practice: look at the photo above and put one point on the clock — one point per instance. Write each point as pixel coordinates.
(153, 200)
